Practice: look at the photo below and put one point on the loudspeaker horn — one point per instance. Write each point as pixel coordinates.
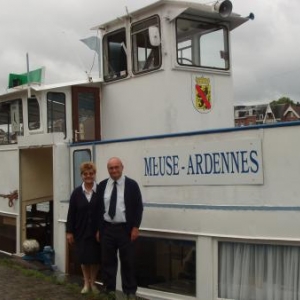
(224, 8)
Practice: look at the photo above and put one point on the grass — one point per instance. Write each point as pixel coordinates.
(50, 277)
(72, 287)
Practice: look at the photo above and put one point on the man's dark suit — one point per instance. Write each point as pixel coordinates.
(117, 237)
(133, 203)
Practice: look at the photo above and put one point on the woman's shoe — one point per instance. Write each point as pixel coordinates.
(111, 295)
(85, 290)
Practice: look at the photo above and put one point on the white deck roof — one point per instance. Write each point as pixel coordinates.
(197, 8)
(42, 87)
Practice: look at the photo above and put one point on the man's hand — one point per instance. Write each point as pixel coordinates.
(134, 233)
(98, 236)
(70, 238)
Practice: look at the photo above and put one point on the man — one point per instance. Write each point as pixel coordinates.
(120, 219)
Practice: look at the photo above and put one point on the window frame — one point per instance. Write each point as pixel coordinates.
(29, 114)
(9, 139)
(197, 50)
(51, 113)
(135, 50)
(160, 236)
(114, 74)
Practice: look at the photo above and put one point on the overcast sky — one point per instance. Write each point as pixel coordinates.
(266, 59)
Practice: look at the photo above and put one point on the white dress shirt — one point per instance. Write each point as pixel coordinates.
(120, 209)
(89, 194)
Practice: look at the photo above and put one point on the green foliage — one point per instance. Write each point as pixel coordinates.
(282, 100)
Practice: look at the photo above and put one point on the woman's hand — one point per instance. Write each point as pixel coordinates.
(70, 238)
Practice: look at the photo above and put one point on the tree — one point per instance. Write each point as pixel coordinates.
(282, 100)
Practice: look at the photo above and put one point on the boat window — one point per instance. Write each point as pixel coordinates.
(56, 112)
(258, 271)
(33, 114)
(170, 265)
(146, 49)
(202, 44)
(11, 121)
(114, 55)
(79, 156)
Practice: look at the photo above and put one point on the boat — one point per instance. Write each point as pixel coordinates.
(221, 203)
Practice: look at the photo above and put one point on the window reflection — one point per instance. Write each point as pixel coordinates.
(79, 156)
(56, 112)
(145, 55)
(202, 44)
(86, 112)
(33, 113)
(115, 60)
(11, 121)
(167, 265)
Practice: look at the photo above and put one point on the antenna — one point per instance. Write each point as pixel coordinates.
(127, 12)
(28, 79)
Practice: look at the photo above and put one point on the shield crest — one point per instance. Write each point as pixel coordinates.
(202, 99)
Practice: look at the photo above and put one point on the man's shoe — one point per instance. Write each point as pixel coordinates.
(111, 295)
(95, 290)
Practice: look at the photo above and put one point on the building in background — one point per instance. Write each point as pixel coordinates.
(247, 115)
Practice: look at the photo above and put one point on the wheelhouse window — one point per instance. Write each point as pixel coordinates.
(258, 271)
(11, 121)
(56, 112)
(146, 50)
(33, 114)
(170, 265)
(202, 44)
(115, 59)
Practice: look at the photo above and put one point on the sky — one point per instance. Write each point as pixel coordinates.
(265, 51)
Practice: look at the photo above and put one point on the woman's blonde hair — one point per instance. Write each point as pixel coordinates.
(86, 166)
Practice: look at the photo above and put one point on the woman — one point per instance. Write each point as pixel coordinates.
(82, 226)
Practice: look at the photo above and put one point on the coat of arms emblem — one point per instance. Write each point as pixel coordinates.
(201, 93)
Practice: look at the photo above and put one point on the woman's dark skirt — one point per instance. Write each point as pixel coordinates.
(88, 251)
